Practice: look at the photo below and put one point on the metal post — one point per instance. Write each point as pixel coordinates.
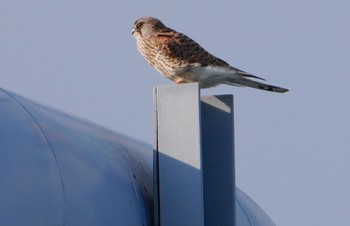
(193, 168)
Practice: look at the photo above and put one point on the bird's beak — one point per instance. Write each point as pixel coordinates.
(133, 31)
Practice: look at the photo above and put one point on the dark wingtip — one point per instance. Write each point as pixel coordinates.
(248, 75)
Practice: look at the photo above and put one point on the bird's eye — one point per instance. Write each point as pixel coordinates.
(139, 25)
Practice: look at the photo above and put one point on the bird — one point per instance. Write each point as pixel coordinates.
(182, 60)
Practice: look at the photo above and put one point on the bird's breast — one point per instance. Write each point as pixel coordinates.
(156, 59)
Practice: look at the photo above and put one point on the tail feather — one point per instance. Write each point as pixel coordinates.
(257, 85)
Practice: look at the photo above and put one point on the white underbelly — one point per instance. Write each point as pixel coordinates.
(210, 76)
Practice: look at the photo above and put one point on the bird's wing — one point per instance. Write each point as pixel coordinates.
(188, 52)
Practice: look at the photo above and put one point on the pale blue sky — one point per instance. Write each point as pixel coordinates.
(292, 150)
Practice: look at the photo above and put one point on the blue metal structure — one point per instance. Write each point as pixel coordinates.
(56, 169)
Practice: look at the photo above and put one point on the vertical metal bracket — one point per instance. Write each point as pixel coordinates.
(194, 180)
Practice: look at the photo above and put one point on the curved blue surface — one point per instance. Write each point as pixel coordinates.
(59, 170)
(56, 169)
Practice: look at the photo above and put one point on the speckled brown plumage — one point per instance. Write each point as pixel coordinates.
(183, 60)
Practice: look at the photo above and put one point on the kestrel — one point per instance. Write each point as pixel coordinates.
(183, 60)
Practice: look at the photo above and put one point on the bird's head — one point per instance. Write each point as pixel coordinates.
(145, 26)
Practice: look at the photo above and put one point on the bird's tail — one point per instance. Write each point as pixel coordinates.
(254, 84)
